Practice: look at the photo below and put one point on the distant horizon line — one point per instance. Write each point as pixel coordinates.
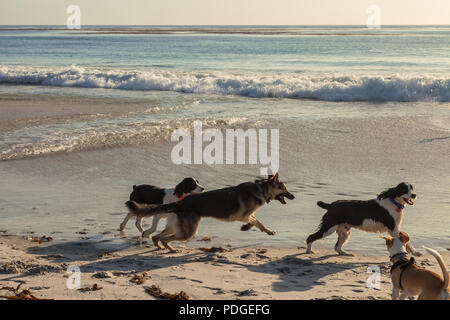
(228, 25)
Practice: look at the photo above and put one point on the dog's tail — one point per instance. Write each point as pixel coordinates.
(148, 210)
(324, 205)
(441, 262)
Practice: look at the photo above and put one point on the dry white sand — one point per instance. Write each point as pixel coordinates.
(238, 273)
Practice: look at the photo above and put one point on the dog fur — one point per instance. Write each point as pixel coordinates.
(410, 280)
(238, 203)
(383, 214)
(154, 196)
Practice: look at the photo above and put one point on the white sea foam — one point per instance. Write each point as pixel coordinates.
(256, 85)
(48, 139)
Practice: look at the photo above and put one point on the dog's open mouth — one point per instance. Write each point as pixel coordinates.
(408, 201)
(281, 196)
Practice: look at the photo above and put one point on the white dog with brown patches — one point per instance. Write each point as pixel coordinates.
(410, 280)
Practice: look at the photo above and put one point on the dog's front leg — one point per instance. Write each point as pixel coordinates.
(412, 250)
(148, 232)
(409, 247)
(403, 296)
(125, 221)
(139, 224)
(247, 226)
(260, 226)
(395, 293)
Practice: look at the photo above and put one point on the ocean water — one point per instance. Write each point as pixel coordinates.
(323, 63)
(378, 99)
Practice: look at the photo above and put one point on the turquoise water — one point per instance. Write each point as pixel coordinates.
(324, 49)
(325, 63)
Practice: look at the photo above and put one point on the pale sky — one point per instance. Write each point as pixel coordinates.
(224, 12)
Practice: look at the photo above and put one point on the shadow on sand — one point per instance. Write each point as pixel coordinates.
(296, 272)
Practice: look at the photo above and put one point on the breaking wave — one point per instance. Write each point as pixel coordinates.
(255, 85)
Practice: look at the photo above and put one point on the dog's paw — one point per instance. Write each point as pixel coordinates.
(347, 254)
(246, 227)
(417, 254)
(270, 232)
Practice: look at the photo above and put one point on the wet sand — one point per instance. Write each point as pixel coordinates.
(347, 157)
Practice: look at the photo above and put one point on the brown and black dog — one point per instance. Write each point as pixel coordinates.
(238, 203)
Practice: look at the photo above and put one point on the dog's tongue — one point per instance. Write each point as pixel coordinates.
(281, 199)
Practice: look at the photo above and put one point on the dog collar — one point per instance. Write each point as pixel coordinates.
(398, 255)
(399, 206)
(401, 263)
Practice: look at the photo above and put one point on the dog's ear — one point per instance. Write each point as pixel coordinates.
(184, 187)
(276, 177)
(389, 241)
(273, 178)
(392, 192)
(397, 191)
(404, 237)
(386, 194)
(180, 189)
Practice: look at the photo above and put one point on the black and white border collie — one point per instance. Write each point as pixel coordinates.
(383, 214)
(151, 195)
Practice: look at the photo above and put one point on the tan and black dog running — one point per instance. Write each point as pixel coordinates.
(238, 203)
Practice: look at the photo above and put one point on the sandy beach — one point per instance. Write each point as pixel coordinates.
(230, 273)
